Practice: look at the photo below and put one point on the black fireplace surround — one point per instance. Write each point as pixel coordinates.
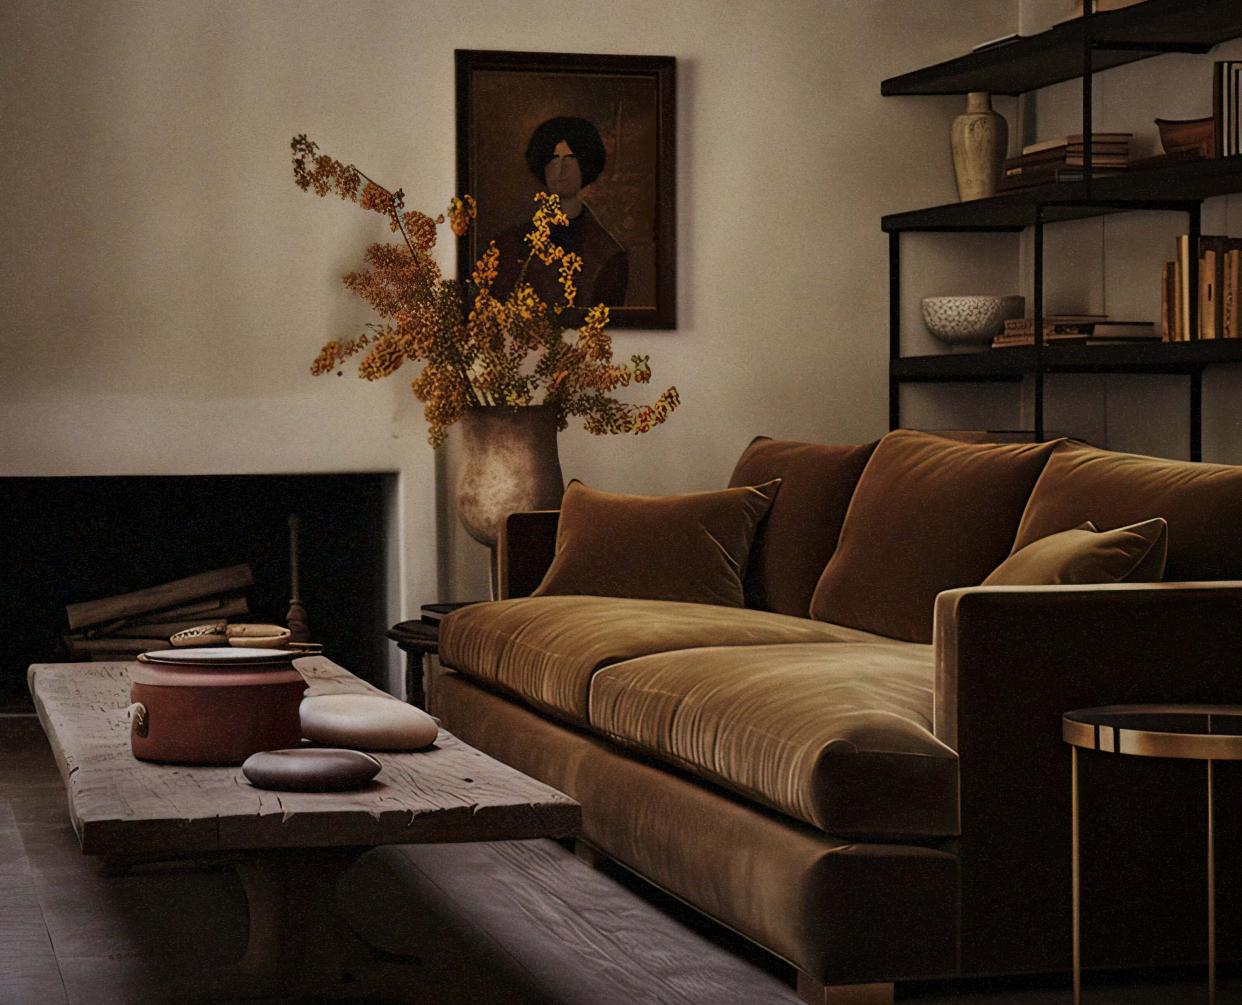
(70, 539)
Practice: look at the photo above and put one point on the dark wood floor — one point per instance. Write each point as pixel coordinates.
(69, 934)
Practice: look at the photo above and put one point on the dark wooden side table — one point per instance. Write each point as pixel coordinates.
(419, 639)
(1190, 732)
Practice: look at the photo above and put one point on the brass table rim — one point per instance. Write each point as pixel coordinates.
(1078, 729)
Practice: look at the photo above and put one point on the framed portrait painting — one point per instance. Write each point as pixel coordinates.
(597, 131)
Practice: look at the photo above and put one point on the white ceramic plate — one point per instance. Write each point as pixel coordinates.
(219, 656)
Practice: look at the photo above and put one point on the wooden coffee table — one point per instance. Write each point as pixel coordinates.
(289, 848)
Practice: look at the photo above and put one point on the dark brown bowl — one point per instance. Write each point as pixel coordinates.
(1188, 134)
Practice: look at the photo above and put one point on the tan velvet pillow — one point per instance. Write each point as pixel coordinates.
(929, 514)
(1133, 554)
(1202, 503)
(691, 547)
(797, 537)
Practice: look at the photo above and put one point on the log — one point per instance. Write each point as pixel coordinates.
(201, 612)
(159, 598)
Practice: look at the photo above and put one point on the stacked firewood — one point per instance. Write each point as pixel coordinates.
(125, 625)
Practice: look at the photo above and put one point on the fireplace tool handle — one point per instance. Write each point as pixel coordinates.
(299, 630)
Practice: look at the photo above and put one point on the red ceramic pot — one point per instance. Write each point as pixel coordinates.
(206, 716)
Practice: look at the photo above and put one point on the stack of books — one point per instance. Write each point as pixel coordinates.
(1079, 329)
(1058, 160)
(1220, 265)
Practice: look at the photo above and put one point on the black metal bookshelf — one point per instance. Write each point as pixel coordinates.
(1055, 55)
(1078, 48)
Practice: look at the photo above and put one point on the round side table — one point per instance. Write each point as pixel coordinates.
(1190, 732)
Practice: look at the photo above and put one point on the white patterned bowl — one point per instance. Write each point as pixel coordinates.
(970, 320)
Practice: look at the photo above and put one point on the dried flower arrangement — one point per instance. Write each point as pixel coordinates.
(477, 349)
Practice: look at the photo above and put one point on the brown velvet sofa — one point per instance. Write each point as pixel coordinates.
(878, 791)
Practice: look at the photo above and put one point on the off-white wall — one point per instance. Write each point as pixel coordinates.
(165, 285)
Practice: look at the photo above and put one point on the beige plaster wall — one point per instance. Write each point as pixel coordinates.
(164, 284)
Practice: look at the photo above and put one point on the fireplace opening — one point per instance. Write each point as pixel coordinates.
(74, 539)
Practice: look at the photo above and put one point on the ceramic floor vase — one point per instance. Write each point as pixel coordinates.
(979, 139)
(507, 461)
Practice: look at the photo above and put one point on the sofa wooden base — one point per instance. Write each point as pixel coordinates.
(814, 993)
(810, 990)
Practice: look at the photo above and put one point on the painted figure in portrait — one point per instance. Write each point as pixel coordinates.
(565, 155)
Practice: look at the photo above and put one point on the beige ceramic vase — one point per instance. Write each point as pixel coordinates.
(507, 461)
(980, 139)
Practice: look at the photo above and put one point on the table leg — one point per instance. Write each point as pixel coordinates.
(299, 944)
(1211, 890)
(293, 930)
(1074, 876)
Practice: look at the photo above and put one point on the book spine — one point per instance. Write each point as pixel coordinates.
(1233, 262)
(1233, 111)
(1166, 327)
(1218, 109)
(1179, 333)
(1207, 295)
(1184, 333)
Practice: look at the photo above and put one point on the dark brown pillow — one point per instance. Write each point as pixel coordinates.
(1201, 502)
(691, 547)
(929, 514)
(1133, 554)
(799, 534)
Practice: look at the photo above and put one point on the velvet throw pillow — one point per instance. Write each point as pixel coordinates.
(693, 547)
(800, 532)
(1133, 554)
(929, 514)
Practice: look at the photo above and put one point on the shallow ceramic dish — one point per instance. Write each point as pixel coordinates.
(969, 320)
(218, 656)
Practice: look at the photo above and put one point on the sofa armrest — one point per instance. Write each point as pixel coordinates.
(524, 550)
(1013, 650)
(1009, 662)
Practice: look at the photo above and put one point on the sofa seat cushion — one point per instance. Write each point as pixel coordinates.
(837, 735)
(545, 649)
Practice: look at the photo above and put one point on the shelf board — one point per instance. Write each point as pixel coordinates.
(1014, 362)
(1056, 55)
(1071, 200)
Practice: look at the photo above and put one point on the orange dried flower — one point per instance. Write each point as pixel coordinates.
(496, 351)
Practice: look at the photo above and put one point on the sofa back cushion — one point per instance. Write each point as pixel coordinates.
(1202, 504)
(800, 532)
(691, 548)
(929, 514)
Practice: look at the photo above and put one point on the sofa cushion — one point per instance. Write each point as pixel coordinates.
(1112, 489)
(837, 735)
(929, 514)
(545, 649)
(1134, 554)
(692, 547)
(797, 537)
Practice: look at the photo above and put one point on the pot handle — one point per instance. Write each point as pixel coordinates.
(138, 715)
